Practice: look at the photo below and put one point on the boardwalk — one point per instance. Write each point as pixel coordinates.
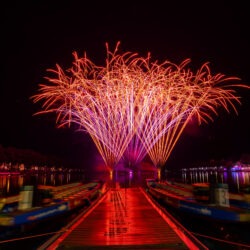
(124, 219)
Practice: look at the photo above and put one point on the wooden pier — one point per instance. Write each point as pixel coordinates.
(124, 218)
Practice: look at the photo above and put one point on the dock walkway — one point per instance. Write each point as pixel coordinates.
(124, 218)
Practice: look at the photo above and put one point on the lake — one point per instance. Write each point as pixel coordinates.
(11, 183)
(236, 180)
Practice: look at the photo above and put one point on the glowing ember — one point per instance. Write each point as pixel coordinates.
(133, 106)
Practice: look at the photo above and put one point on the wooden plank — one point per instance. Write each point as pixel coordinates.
(123, 220)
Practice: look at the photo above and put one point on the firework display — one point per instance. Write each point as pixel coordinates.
(133, 106)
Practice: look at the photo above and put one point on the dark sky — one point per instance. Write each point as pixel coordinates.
(37, 35)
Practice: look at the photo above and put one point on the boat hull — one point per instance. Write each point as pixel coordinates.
(64, 201)
(190, 206)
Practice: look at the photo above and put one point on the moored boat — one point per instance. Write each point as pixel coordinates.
(209, 192)
(200, 200)
(34, 205)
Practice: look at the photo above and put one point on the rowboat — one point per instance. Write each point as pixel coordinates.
(202, 200)
(203, 191)
(36, 204)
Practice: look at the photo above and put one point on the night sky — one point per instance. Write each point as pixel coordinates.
(37, 35)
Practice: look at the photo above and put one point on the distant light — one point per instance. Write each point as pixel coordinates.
(236, 167)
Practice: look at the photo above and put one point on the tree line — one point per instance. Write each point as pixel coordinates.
(28, 157)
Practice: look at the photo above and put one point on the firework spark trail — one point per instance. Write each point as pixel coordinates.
(202, 98)
(132, 106)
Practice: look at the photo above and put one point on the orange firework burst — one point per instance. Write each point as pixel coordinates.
(133, 106)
